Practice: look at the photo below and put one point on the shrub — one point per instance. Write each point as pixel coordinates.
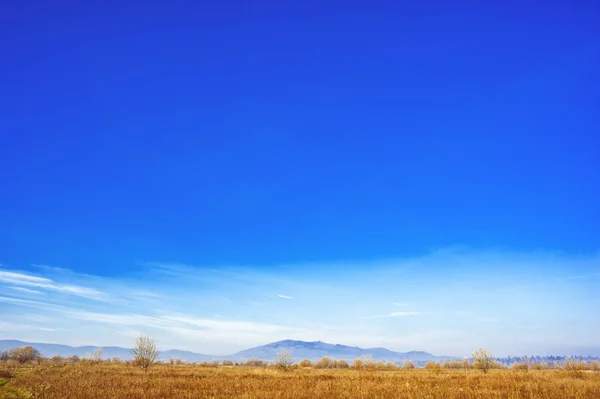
(574, 369)
(256, 363)
(341, 364)
(325, 363)
(378, 365)
(283, 359)
(433, 366)
(594, 366)
(408, 365)
(305, 363)
(454, 365)
(357, 364)
(482, 360)
(520, 366)
(25, 354)
(58, 359)
(227, 363)
(467, 365)
(73, 359)
(390, 366)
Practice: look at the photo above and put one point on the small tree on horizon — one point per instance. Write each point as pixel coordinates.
(283, 359)
(483, 360)
(97, 355)
(145, 352)
(25, 355)
(408, 365)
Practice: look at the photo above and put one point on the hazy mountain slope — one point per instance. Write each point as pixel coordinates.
(318, 349)
(299, 349)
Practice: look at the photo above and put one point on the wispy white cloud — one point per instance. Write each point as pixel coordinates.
(395, 314)
(26, 290)
(27, 280)
(176, 303)
(19, 277)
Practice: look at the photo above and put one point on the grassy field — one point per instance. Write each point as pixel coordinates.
(104, 381)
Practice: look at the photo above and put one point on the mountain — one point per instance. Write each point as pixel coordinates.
(316, 350)
(50, 350)
(300, 350)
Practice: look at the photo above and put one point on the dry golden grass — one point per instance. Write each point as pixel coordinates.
(111, 381)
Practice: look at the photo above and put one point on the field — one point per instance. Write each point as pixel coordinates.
(110, 381)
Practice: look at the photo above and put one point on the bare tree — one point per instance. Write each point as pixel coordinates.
(408, 365)
(25, 354)
(483, 360)
(283, 359)
(145, 352)
(97, 355)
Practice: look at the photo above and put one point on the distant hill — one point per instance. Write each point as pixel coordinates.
(299, 349)
(50, 350)
(318, 349)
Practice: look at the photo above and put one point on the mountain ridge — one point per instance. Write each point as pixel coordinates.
(312, 350)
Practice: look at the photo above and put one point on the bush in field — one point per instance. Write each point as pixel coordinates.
(325, 363)
(256, 363)
(283, 359)
(73, 359)
(520, 366)
(4, 355)
(25, 355)
(367, 361)
(341, 364)
(594, 366)
(408, 365)
(145, 352)
(482, 360)
(357, 364)
(379, 365)
(305, 363)
(454, 365)
(227, 363)
(536, 366)
(433, 366)
(467, 365)
(58, 359)
(573, 368)
(390, 366)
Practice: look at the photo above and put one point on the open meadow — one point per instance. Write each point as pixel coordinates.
(113, 381)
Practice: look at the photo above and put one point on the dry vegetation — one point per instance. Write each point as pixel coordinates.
(124, 380)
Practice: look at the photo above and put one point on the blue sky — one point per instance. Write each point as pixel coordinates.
(416, 176)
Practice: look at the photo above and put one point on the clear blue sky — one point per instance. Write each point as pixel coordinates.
(314, 143)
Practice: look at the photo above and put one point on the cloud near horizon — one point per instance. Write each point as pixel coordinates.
(176, 303)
